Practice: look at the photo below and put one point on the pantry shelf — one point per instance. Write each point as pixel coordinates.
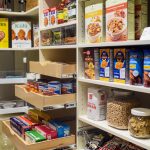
(23, 145)
(41, 101)
(58, 47)
(144, 143)
(116, 85)
(13, 80)
(19, 49)
(32, 12)
(59, 25)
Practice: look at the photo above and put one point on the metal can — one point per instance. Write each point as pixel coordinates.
(67, 88)
(54, 87)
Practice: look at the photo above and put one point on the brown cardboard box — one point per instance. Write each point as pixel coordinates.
(31, 3)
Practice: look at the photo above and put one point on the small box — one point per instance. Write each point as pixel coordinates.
(53, 16)
(46, 17)
(36, 35)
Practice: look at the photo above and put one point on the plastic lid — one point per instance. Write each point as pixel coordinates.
(145, 112)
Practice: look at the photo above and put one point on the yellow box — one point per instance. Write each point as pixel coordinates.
(4, 42)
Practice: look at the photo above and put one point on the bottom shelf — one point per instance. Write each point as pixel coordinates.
(23, 145)
(123, 134)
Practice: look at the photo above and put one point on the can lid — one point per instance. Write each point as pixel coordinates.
(145, 112)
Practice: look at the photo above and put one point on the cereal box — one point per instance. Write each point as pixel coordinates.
(121, 65)
(120, 20)
(4, 43)
(141, 17)
(91, 63)
(136, 67)
(106, 64)
(53, 16)
(94, 22)
(46, 17)
(21, 34)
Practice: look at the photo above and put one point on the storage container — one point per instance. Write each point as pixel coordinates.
(139, 123)
(58, 36)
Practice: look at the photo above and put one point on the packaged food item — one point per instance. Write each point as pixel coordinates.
(147, 68)
(58, 36)
(66, 88)
(31, 4)
(54, 87)
(94, 22)
(46, 132)
(141, 17)
(136, 67)
(21, 34)
(72, 10)
(66, 14)
(96, 107)
(41, 87)
(106, 64)
(4, 29)
(19, 127)
(121, 65)
(35, 35)
(60, 13)
(46, 38)
(46, 17)
(62, 129)
(22, 6)
(53, 16)
(120, 20)
(91, 63)
(119, 109)
(139, 123)
(74, 86)
(70, 35)
(33, 137)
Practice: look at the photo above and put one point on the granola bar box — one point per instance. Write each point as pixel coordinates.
(120, 20)
(4, 43)
(21, 34)
(94, 22)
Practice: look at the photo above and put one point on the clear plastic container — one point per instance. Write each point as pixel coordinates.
(119, 109)
(46, 38)
(58, 36)
(139, 123)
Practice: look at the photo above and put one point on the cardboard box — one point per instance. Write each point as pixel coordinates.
(36, 35)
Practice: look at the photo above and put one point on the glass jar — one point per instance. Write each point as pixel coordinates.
(139, 123)
(119, 109)
(72, 9)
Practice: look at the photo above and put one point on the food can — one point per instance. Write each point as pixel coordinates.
(54, 87)
(67, 88)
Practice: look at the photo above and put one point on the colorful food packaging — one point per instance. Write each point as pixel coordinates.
(136, 67)
(147, 68)
(120, 20)
(4, 43)
(94, 22)
(121, 65)
(46, 38)
(53, 16)
(33, 137)
(67, 88)
(106, 64)
(35, 35)
(47, 132)
(21, 34)
(46, 17)
(54, 87)
(96, 107)
(91, 63)
(62, 129)
(141, 17)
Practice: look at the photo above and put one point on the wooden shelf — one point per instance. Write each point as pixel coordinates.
(123, 134)
(58, 47)
(19, 49)
(23, 145)
(13, 80)
(41, 101)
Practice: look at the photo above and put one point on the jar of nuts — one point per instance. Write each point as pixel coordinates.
(139, 123)
(119, 109)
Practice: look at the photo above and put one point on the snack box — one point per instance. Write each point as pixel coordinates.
(91, 63)
(53, 16)
(106, 64)
(94, 21)
(4, 29)
(120, 20)
(36, 35)
(46, 17)
(62, 129)
(121, 65)
(47, 132)
(33, 137)
(19, 127)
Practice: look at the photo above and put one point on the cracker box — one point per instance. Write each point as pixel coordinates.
(21, 34)
(121, 65)
(141, 17)
(106, 64)
(94, 21)
(91, 63)
(120, 20)
(4, 43)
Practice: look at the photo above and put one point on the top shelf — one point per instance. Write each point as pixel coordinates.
(32, 12)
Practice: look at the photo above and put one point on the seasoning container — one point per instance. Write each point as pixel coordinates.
(72, 10)
(139, 123)
(58, 36)
(119, 109)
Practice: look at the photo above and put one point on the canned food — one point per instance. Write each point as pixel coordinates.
(67, 88)
(54, 87)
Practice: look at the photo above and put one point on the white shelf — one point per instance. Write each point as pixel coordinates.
(32, 12)
(14, 110)
(13, 80)
(59, 25)
(123, 134)
(117, 85)
(19, 49)
(59, 47)
(116, 44)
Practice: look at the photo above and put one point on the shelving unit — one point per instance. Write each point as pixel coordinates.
(13, 80)
(19, 49)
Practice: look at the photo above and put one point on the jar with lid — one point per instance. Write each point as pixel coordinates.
(119, 109)
(72, 9)
(139, 123)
